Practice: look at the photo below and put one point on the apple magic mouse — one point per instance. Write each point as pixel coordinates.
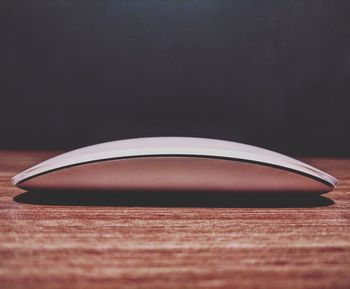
(172, 164)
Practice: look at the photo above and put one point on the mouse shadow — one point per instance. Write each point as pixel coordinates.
(173, 199)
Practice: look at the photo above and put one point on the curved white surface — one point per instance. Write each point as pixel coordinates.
(173, 146)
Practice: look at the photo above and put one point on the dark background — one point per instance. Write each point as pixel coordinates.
(269, 73)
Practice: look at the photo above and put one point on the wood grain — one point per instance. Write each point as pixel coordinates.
(64, 241)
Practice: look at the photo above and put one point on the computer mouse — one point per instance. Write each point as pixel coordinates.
(175, 164)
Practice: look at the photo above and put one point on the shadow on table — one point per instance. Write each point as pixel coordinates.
(173, 199)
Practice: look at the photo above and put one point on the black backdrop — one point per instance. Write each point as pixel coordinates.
(270, 73)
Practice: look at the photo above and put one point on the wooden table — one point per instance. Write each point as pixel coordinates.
(104, 241)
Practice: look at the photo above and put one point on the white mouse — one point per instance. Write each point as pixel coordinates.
(172, 164)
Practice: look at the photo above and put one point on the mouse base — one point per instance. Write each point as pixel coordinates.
(176, 173)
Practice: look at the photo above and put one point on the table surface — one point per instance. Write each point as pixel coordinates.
(149, 241)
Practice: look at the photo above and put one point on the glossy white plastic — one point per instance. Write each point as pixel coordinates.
(170, 149)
